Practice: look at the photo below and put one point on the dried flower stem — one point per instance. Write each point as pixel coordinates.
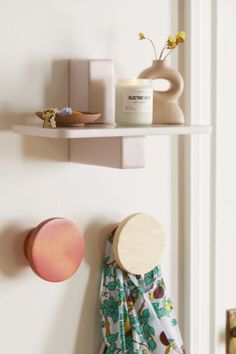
(168, 53)
(162, 52)
(153, 46)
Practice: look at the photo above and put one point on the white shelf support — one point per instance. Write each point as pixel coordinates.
(133, 152)
(117, 152)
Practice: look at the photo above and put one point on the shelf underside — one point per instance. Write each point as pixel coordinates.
(108, 145)
(105, 131)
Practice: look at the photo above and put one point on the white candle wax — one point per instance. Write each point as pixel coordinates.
(134, 102)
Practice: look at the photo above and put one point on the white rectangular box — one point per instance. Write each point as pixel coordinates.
(92, 87)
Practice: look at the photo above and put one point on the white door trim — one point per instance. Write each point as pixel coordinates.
(198, 217)
(214, 105)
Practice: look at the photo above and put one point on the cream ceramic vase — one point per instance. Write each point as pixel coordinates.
(165, 103)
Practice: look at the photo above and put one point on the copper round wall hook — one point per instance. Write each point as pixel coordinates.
(54, 249)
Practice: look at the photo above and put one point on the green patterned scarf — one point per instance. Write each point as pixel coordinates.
(136, 313)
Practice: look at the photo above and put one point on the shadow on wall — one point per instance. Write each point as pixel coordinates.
(88, 336)
(56, 94)
(12, 258)
(89, 326)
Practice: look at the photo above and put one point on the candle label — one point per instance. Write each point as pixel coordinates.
(135, 100)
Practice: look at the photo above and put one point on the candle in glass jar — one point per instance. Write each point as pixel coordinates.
(134, 102)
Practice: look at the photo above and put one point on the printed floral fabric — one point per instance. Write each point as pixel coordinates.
(136, 313)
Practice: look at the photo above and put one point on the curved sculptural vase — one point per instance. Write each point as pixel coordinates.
(165, 103)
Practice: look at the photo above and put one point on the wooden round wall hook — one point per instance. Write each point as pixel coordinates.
(139, 243)
(55, 249)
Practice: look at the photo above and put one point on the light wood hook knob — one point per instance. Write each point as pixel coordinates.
(139, 243)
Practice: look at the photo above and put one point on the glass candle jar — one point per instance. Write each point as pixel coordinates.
(134, 102)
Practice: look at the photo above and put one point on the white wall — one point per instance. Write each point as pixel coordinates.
(37, 182)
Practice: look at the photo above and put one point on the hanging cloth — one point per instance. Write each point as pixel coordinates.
(136, 313)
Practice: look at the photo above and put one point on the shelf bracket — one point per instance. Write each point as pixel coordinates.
(125, 152)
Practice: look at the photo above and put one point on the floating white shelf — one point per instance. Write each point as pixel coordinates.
(108, 131)
(122, 147)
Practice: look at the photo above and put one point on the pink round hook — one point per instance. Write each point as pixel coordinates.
(55, 249)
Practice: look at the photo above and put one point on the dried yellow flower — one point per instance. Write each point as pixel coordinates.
(171, 42)
(141, 35)
(180, 37)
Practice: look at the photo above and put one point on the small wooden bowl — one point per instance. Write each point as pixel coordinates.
(76, 119)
